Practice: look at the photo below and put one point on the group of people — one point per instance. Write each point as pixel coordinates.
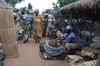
(33, 24)
(38, 26)
(67, 42)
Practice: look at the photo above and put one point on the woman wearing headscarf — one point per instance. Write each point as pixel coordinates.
(70, 38)
(37, 26)
(71, 41)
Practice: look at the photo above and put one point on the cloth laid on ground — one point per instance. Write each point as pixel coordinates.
(47, 56)
(88, 63)
(74, 58)
(90, 51)
(50, 52)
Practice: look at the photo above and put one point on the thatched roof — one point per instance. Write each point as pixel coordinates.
(81, 4)
(4, 5)
(87, 4)
(68, 7)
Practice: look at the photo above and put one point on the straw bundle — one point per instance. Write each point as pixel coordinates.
(11, 50)
(7, 30)
(8, 35)
(6, 18)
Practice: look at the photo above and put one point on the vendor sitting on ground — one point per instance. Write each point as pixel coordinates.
(71, 41)
(70, 38)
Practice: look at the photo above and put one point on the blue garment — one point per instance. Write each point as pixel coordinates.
(52, 51)
(67, 37)
(27, 17)
(82, 44)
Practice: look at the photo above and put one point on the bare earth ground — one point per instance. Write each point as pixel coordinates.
(29, 56)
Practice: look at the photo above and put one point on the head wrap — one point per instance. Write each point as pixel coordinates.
(69, 28)
(36, 10)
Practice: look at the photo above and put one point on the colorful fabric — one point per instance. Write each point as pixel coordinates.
(37, 27)
(53, 51)
(26, 30)
(26, 36)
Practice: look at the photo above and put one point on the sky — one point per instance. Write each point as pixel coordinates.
(40, 4)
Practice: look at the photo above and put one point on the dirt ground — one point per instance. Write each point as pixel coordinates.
(29, 56)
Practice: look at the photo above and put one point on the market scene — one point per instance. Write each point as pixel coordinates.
(49, 33)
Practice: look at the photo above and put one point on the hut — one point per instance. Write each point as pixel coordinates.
(83, 8)
(89, 9)
(81, 4)
(7, 30)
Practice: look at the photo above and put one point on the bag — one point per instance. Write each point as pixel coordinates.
(59, 34)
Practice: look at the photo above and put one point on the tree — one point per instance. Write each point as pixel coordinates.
(55, 6)
(24, 9)
(61, 3)
(30, 6)
(65, 2)
(13, 2)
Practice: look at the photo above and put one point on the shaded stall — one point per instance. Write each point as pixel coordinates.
(7, 30)
(84, 11)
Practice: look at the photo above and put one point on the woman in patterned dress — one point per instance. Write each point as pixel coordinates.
(37, 26)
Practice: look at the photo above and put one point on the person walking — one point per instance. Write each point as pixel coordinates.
(37, 26)
(45, 24)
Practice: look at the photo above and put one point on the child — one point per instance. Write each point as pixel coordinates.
(21, 33)
(26, 31)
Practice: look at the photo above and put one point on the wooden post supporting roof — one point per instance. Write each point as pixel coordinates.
(98, 61)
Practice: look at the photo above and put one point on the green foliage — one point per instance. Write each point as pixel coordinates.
(27, 9)
(24, 9)
(13, 2)
(30, 6)
(64, 2)
(55, 6)
(61, 3)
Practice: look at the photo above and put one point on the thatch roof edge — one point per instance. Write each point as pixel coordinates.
(81, 4)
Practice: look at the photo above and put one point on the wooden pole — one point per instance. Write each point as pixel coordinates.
(70, 16)
(98, 60)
